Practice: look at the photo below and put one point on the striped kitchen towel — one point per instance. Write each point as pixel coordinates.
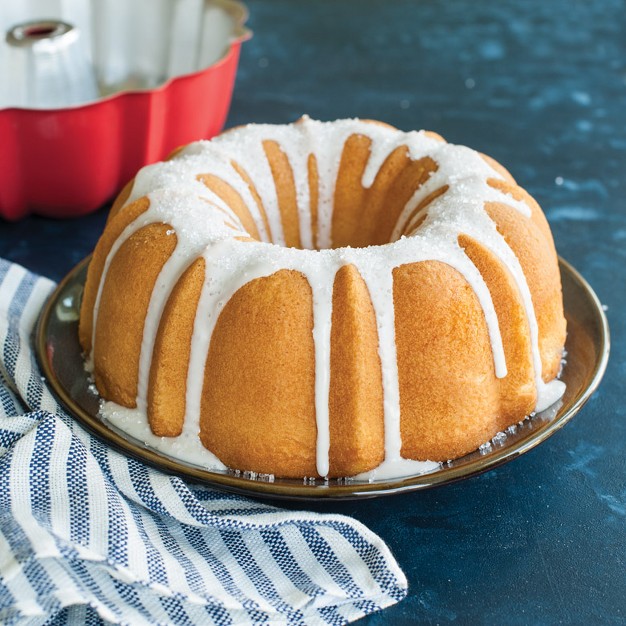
(90, 536)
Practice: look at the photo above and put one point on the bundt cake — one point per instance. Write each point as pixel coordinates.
(323, 299)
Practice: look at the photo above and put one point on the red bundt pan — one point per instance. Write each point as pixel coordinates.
(68, 162)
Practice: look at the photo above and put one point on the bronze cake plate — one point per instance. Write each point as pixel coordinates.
(587, 348)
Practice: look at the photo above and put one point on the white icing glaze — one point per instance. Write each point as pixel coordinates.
(200, 219)
(186, 447)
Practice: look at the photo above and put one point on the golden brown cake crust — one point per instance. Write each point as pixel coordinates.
(356, 391)
(260, 392)
(122, 314)
(444, 362)
(172, 350)
(365, 217)
(114, 229)
(259, 375)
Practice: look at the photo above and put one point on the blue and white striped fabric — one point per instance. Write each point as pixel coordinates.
(89, 536)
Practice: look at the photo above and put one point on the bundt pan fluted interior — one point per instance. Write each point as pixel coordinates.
(154, 74)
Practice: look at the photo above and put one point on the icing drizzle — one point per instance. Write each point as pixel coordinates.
(179, 199)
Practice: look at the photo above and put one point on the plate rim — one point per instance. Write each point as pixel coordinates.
(320, 490)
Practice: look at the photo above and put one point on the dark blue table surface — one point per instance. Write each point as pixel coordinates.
(541, 86)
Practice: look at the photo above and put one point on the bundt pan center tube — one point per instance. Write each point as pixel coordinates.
(323, 300)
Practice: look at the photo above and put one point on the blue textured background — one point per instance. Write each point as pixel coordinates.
(541, 86)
